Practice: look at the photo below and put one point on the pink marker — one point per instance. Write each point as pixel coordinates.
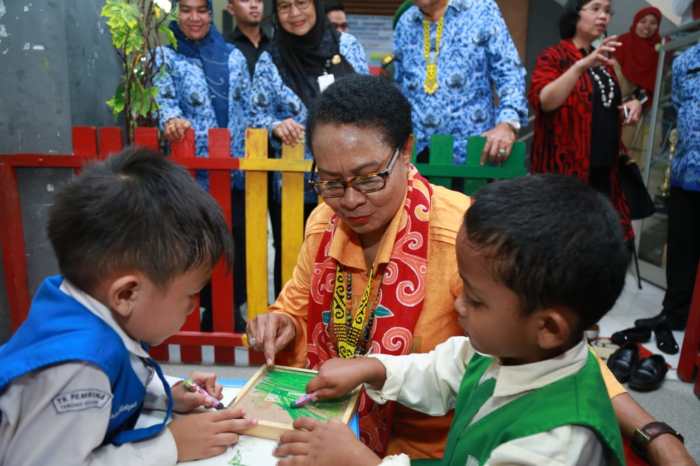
(303, 400)
(190, 386)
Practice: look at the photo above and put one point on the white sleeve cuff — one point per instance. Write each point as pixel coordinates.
(396, 460)
(392, 385)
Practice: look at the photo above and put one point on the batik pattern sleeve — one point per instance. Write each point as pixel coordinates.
(505, 69)
(353, 52)
(60, 415)
(685, 169)
(425, 382)
(184, 93)
(166, 97)
(272, 100)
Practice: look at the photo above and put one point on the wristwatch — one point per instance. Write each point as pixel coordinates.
(643, 436)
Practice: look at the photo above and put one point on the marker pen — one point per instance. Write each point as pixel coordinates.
(303, 400)
(190, 386)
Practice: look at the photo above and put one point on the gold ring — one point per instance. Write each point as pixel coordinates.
(501, 151)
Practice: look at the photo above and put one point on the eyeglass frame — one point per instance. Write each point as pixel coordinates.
(348, 182)
(296, 4)
(610, 13)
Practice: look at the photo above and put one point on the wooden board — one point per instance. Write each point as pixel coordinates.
(269, 394)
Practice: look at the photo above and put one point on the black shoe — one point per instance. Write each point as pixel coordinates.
(649, 374)
(631, 335)
(662, 318)
(665, 340)
(623, 361)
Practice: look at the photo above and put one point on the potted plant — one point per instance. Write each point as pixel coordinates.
(137, 28)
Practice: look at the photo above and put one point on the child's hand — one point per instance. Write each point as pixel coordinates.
(338, 377)
(309, 444)
(185, 401)
(202, 435)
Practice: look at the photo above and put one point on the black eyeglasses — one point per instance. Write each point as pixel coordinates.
(365, 184)
(285, 8)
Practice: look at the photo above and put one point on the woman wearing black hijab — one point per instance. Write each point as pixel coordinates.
(307, 55)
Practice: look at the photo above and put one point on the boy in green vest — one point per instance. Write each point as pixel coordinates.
(541, 259)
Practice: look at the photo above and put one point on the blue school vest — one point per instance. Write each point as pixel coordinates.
(58, 330)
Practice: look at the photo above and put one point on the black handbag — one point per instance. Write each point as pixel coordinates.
(638, 198)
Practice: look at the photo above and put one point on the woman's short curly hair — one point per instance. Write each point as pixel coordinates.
(569, 18)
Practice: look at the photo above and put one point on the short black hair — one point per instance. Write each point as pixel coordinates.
(135, 211)
(333, 5)
(553, 241)
(365, 102)
(569, 18)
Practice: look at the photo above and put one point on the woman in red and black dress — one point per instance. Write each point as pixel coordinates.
(578, 105)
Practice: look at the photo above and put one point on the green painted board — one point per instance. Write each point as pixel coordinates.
(269, 395)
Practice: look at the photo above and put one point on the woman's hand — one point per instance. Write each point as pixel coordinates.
(289, 131)
(601, 55)
(185, 401)
(203, 435)
(175, 129)
(499, 143)
(323, 443)
(337, 377)
(632, 111)
(270, 333)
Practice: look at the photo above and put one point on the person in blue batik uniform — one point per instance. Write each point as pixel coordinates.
(684, 203)
(193, 89)
(306, 53)
(451, 78)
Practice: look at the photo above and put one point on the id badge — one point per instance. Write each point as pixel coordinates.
(325, 80)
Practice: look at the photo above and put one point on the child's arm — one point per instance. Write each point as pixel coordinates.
(60, 415)
(337, 377)
(426, 382)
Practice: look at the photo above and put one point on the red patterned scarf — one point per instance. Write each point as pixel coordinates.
(399, 303)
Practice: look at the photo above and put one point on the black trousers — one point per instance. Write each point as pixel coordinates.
(683, 253)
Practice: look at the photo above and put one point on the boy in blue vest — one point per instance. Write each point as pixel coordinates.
(136, 240)
(541, 258)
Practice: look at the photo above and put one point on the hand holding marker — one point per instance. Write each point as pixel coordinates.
(303, 400)
(212, 402)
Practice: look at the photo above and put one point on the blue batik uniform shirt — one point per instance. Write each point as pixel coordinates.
(685, 169)
(273, 101)
(477, 65)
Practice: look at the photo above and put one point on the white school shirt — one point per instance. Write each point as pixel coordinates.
(34, 433)
(429, 383)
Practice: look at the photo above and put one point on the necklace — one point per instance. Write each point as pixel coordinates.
(350, 330)
(431, 70)
(607, 95)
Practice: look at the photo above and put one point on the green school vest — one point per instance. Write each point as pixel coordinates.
(580, 399)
